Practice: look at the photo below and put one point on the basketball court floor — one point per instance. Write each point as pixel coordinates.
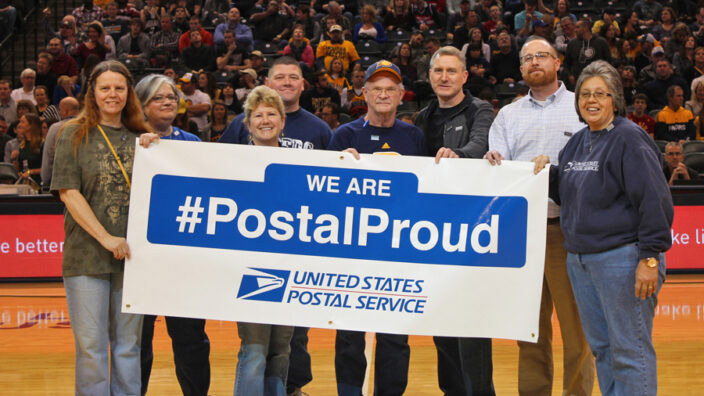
(36, 348)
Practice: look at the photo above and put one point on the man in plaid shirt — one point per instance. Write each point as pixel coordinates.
(165, 41)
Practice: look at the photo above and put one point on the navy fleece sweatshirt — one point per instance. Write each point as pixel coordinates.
(610, 187)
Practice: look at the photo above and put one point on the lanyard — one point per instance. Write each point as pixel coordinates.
(114, 153)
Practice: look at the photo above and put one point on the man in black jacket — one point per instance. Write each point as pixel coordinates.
(456, 122)
(455, 119)
(198, 56)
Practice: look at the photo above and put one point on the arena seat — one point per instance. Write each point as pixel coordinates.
(368, 47)
(695, 161)
(661, 144)
(8, 173)
(693, 146)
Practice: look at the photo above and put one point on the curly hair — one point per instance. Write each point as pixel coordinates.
(263, 95)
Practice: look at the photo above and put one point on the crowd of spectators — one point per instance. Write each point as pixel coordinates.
(217, 52)
(215, 55)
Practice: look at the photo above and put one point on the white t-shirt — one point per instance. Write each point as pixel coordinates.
(19, 94)
(242, 93)
(198, 97)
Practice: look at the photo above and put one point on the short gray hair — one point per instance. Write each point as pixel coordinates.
(611, 78)
(26, 72)
(147, 87)
(673, 144)
(449, 51)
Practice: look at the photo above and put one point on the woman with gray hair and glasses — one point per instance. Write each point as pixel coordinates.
(616, 214)
(160, 100)
(189, 341)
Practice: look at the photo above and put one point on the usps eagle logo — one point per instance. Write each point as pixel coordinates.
(263, 284)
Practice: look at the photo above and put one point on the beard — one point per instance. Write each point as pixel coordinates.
(539, 80)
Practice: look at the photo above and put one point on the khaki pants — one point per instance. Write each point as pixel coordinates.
(535, 367)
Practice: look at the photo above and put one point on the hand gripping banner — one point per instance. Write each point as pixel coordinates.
(318, 239)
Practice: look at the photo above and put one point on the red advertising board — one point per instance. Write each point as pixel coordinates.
(31, 245)
(687, 250)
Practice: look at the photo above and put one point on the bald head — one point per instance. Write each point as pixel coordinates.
(68, 107)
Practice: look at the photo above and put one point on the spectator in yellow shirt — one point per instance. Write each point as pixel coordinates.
(336, 47)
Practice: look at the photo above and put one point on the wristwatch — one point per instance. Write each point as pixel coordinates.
(651, 262)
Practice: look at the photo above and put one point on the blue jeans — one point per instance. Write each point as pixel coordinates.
(107, 341)
(618, 325)
(262, 362)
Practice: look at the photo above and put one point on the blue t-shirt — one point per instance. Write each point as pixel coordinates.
(401, 138)
(302, 130)
(180, 134)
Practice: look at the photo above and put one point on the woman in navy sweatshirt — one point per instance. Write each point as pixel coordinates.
(616, 214)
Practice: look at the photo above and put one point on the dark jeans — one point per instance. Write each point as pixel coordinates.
(191, 348)
(390, 368)
(464, 366)
(299, 371)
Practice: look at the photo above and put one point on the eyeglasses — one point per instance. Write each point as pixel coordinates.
(164, 98)
(598, 95)
(388, 91)
(673, 154)
(538, 55)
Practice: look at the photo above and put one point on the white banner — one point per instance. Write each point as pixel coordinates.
(316, 238)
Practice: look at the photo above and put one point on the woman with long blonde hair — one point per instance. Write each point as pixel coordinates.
(369, 28)
(696, 106)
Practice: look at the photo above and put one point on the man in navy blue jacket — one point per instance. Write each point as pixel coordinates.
(377, 132)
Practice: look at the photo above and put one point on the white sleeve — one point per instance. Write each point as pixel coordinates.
(497, 136)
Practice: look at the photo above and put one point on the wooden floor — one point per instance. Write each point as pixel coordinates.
(36, 348)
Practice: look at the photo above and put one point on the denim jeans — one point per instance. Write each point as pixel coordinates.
(390, 367)
(299, 370)
(464, 366)
(618, 325)
(107, 341)
(262, 362)
(191, 349)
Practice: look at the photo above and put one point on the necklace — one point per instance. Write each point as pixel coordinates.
(589, 51)
(590, 139)
(598, 135)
